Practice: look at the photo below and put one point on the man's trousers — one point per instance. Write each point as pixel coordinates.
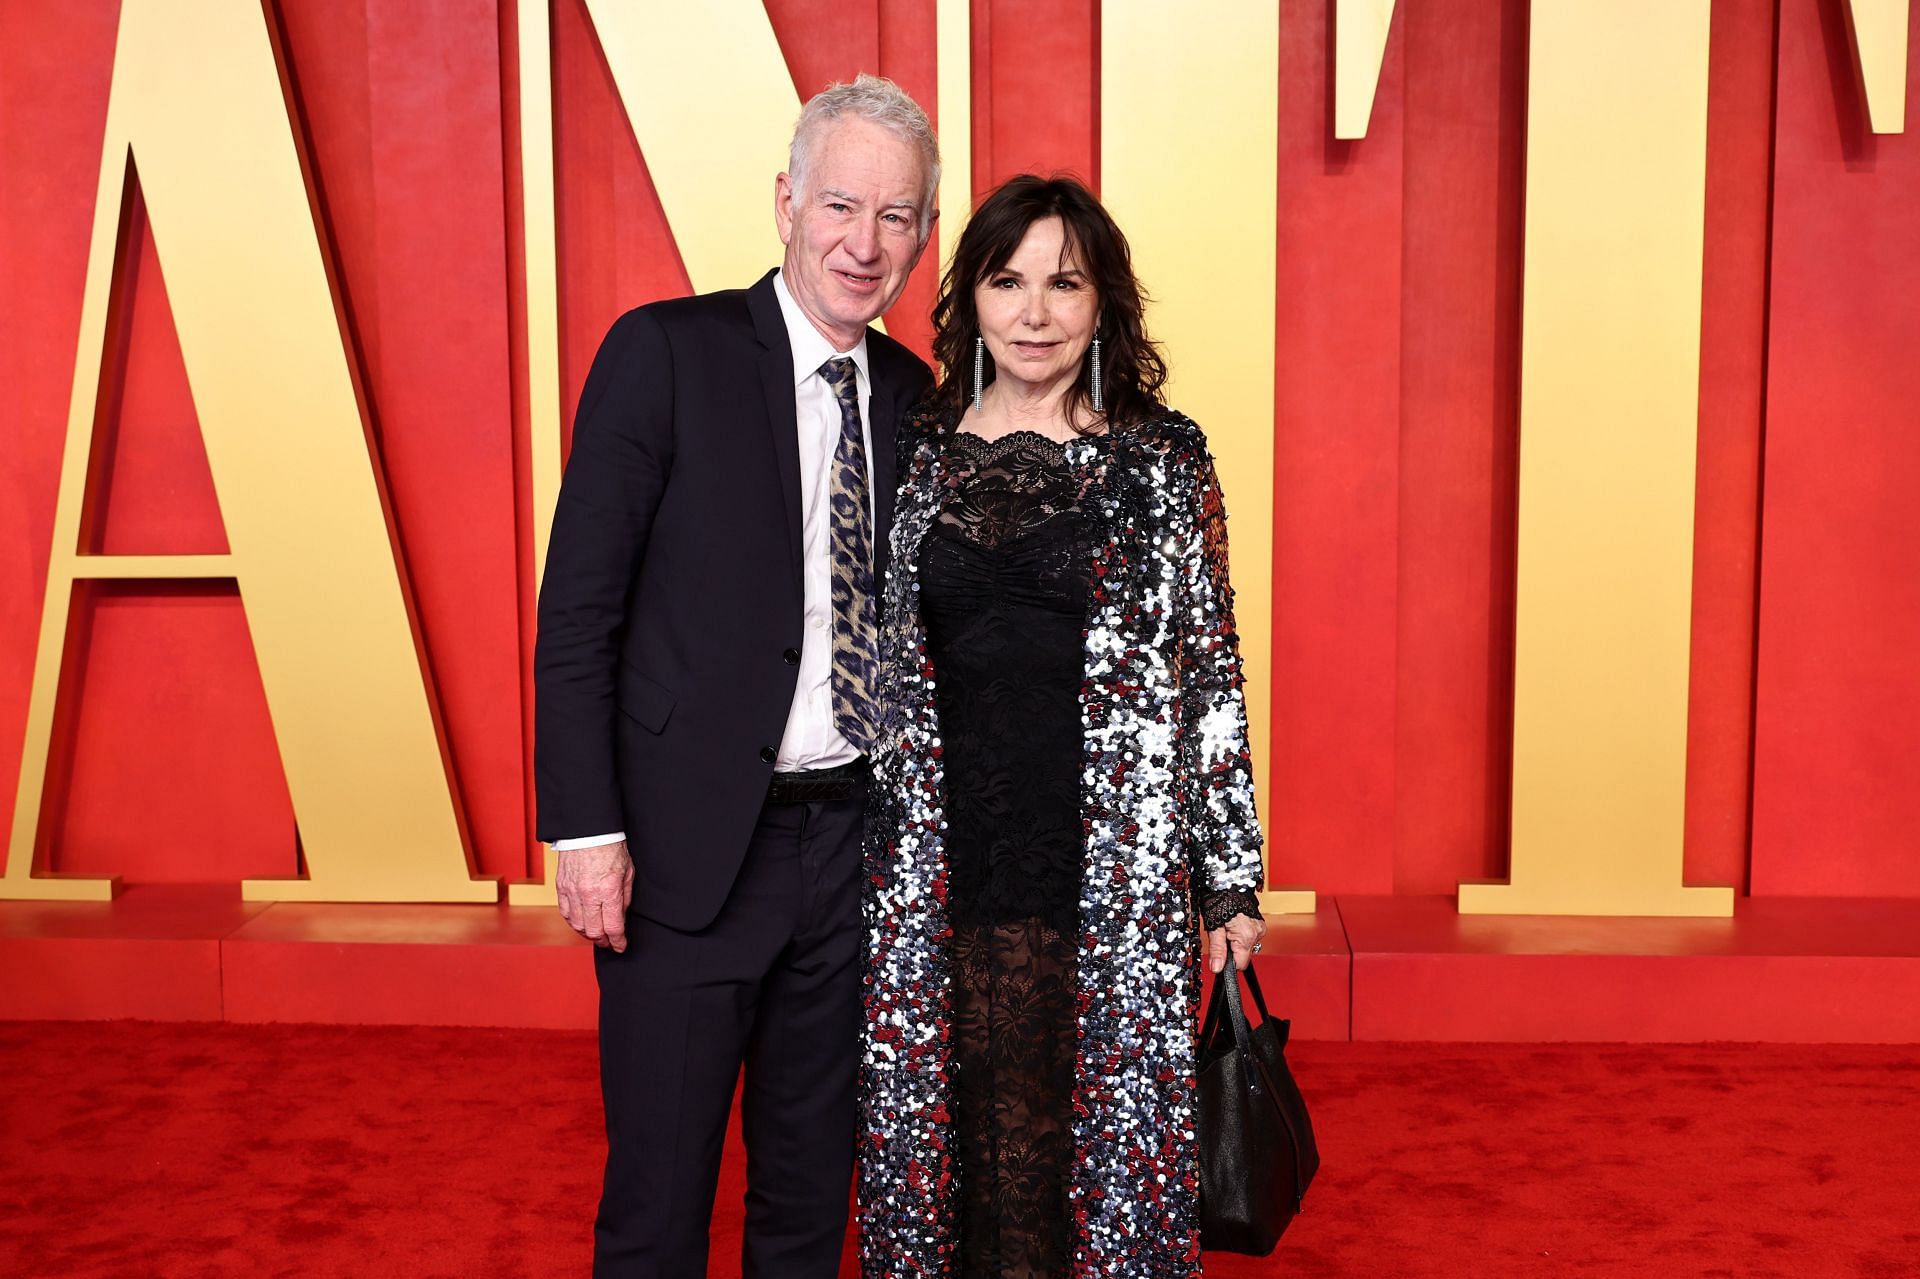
(772, 984)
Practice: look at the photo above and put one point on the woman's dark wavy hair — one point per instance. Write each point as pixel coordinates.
(1132, 371)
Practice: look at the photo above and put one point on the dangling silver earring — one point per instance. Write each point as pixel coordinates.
(1098, 405)
(979, 369)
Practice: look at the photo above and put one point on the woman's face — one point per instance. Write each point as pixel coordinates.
(1038, 312)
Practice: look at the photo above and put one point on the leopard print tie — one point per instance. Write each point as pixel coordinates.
(850, 542)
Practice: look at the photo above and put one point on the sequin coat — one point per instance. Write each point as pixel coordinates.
(1167, 803)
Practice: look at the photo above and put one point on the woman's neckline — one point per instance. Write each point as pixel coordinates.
(1015, 433)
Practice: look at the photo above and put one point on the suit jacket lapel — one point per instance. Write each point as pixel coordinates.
(776, 383)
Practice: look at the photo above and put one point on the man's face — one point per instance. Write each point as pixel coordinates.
(854, 234)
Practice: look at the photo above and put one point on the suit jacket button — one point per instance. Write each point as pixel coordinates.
(768, 754)
(791, 657)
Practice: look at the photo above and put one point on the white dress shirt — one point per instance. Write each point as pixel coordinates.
(810, 740)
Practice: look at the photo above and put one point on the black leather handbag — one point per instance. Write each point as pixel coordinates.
(1257, 1154)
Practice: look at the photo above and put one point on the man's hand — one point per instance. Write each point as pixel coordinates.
(1243, 933)
(595, 887)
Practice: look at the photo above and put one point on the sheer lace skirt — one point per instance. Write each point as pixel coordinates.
(1013, 1057)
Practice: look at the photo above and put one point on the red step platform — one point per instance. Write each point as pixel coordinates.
(1380, 968)
(151, 953)
(1781, 970)
(164, 952)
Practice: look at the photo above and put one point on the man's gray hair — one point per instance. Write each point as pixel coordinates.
(877, 100)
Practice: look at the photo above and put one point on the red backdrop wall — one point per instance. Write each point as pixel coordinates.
(1395, 425)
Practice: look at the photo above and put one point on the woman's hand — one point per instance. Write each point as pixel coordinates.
(1243, 933)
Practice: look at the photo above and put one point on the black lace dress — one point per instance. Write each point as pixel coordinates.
(1003, 595)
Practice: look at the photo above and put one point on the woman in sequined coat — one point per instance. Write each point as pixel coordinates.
(1061, 782)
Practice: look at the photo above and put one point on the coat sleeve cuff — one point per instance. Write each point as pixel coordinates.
(589, 841)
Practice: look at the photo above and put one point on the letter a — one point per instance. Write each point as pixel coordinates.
(197, 109)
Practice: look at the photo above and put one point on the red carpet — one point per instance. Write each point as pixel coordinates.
(135, 1149)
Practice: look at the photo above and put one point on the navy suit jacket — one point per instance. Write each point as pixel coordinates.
(670, 617)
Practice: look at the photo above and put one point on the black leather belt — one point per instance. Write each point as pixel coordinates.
(819, 785)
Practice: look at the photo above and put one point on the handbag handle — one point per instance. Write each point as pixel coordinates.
(1216, 1006)
(1253, 988)
(1226, 995)
(1213, 1005)
(1216, 1009)
(1237, 1018)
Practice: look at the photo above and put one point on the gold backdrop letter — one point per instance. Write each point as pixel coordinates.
(196, 104)
(1616, 190)
(953, 74)
(1359, 44)
(1879, 30)
(1213, 292)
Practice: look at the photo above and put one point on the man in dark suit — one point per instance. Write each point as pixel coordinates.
(703, 674)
